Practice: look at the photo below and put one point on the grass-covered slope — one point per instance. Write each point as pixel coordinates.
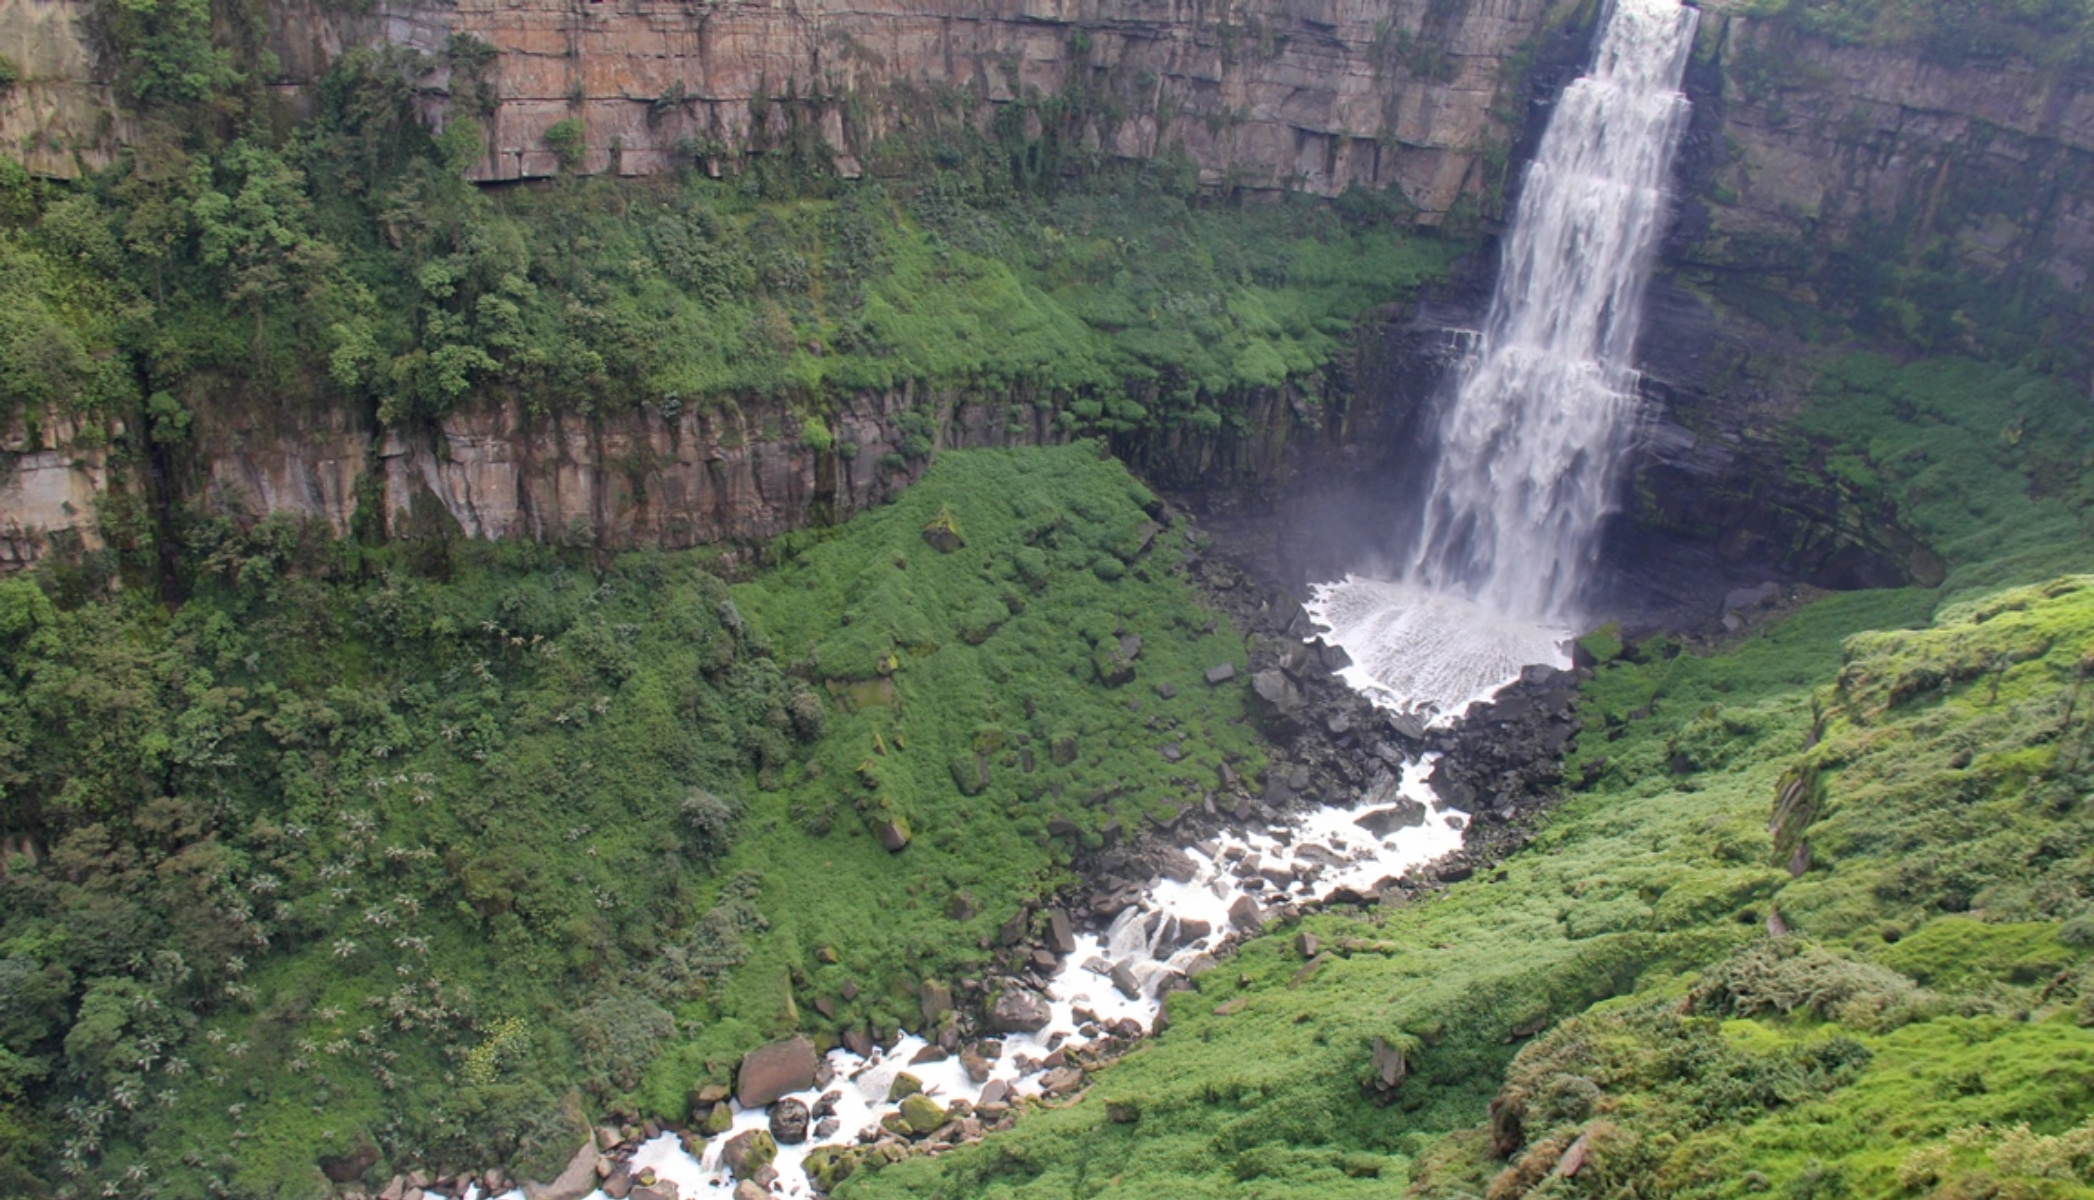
(1988, 465)
(1925, 1007)
(343, 866)
(982, 700)
(1897, 781)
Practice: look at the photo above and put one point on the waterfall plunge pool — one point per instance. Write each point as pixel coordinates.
(1426, 653)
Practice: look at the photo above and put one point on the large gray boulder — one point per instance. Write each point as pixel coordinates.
(577, 1181)
(1276, 704)
(749, 1152)
(1018, 1009)
(1246, 915)
(789, 1120)
(1061, 936)
(1405, 813)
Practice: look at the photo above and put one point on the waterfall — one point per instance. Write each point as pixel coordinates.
(1530, 446)
(1531, 443)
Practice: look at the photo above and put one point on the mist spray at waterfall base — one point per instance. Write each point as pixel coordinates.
(1532, 443)
(1428, 653)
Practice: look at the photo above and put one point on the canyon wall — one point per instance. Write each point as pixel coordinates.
(1819, 173)
(1929, 198)
(734, 473)
(727, 474)
(1313, 95)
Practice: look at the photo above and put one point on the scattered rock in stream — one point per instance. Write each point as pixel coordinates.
(788, 1122)
(769, 1072)
(1018, 1009)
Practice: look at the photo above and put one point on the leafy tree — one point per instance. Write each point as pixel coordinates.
(163, 51)
(258, 231)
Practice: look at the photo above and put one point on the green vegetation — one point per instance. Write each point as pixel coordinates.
(349, 262)
(1896, 779)
(1988, 466)
(1955, 32)
(317, 851)
(309, 863)
(1922, 1025)
(973, 697)
(343, 855)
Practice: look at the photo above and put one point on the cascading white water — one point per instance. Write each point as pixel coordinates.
(1529, 448)
(1395, 824)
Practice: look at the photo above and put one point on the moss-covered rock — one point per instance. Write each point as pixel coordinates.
(827, 1166)
(747, 1153)
(922, 1114)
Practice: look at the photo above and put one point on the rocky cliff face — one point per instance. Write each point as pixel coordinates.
(1935, 198)
(61, 114)
(1314, 95)
(732, 474)
(50, 483)
(727, 475)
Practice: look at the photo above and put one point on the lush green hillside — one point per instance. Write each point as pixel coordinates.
(1921, 1029)
(341, 857)
(316, 853)
(347, 261)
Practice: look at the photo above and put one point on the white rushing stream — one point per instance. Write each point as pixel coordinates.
(1531, 444)
(1394, 825)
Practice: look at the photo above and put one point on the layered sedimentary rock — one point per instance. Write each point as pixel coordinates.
(735, 473)
(728, 474)
(60, 114)
(1806, 157)
(50, 482)
(1314, 95)
(1809, 149)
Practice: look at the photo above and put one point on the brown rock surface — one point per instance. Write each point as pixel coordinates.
(1314, 95)
(769, 1072)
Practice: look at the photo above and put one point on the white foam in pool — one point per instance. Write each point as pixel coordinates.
(1424, 652)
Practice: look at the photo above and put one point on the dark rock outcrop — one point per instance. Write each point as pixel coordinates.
(789, 1120)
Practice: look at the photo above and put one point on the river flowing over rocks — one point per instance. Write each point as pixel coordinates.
(1358, 805)
(1387, 779)
(1103, 992)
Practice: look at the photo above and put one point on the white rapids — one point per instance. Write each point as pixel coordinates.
(1395, 824)
(1531, 445)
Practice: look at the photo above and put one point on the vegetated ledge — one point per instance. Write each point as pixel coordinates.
(707, 365)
